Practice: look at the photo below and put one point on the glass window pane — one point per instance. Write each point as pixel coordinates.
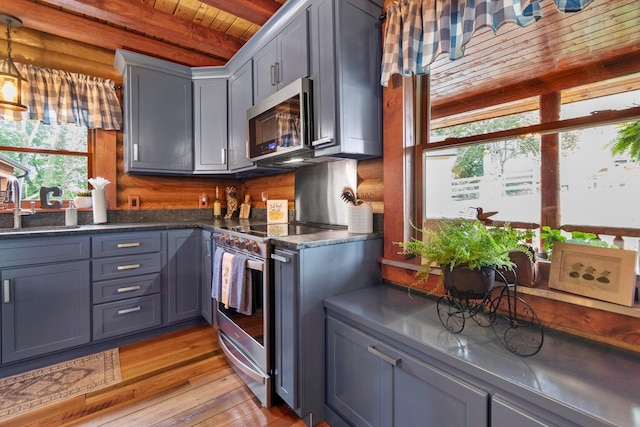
(481, 127)
(598, 188)
(34, 134)
(502, 177)
(618, 101)
(49, 170)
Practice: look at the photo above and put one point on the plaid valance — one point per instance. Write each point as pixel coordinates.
(419, 30)
(55, 96)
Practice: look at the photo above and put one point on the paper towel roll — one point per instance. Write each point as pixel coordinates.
(99, 200)
(360, 218)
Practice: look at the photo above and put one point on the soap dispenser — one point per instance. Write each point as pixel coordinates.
(71, 215)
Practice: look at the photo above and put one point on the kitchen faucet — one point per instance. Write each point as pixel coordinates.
(14, 183)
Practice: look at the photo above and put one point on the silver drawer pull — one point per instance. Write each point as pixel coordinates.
(390, 360)
(128, 245)
(7, 288)
(128, 267)
(129, 288)
(129, 310)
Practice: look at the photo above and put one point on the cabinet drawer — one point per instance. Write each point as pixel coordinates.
(119, 289)
(120, 267)
(126, 244)
(31, 251)
(122, 317)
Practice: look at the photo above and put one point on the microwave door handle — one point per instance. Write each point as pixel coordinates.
(322, 142)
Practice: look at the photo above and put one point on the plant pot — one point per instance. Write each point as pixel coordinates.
(82, 202)
(524, 273)
(466, 283)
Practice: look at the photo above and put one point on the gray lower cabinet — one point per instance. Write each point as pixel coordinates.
(127, 283)
(240, 100)
(282, 60)
(45, 295)
(45, 308)
(210, 125)
(207, 275)
(183, 273)
(345, 69)
(370, 383)
(302, 279)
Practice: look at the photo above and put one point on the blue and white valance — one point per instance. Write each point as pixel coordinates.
(420, 30)
(55, 96)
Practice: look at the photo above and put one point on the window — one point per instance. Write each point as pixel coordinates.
(56, 155)
(502, 174)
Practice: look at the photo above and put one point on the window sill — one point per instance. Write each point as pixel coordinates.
(541, 291)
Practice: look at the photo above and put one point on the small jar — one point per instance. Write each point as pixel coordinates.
(71, 215)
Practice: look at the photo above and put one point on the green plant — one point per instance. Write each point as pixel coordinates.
(466, 242)
(552, 235)
(83, 193)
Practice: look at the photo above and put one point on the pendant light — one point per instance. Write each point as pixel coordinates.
(10, 79)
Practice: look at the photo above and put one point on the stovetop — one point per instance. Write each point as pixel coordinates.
(278, 230)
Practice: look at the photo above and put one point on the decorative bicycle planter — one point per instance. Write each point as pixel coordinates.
(513, 321)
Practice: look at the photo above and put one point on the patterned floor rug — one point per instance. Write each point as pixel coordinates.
(41, 387)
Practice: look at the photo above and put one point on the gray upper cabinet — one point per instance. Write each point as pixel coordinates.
(240, 100)
(345, 69)
(283, 59)
(210, 125)
(158, 115)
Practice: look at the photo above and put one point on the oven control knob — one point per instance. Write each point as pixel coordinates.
(236, 242)
(242, 244)
(227, 239)
(253, 247)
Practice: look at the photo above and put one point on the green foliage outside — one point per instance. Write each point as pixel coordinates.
(69, 172)
(627, 140)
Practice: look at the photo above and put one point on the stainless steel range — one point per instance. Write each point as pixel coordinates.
(247, 339)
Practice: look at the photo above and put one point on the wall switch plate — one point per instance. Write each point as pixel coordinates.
(134, 202)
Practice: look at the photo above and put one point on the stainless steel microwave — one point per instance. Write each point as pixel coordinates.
(280, 126)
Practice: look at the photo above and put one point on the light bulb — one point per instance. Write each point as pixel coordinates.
(9, 91)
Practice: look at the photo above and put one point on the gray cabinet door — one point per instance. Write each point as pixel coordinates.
(282, 60)
(159, 133)
(424, 392)
(345, 68)
(240, 100)
(286, 286)
(210, 125)
(45, 309)
(359, 382)
(207, 275)
(183, 270)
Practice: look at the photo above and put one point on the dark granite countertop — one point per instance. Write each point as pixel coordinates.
(324, 238)
(569, 373)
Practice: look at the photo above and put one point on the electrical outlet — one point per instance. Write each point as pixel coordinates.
(204, 201)
(134, 202)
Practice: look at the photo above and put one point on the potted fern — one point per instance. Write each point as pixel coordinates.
(468, 253)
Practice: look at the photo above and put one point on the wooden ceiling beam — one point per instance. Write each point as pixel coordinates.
(74, 27)
(257, 11)
(155, 23)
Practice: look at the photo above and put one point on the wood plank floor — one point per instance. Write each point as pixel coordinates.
(178, 379)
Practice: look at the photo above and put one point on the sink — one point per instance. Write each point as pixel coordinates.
(42, 229)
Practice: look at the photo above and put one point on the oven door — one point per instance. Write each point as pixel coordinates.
(246, 339)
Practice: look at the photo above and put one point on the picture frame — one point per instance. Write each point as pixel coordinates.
(606, 274)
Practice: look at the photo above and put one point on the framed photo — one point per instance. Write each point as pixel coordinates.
(607, 274)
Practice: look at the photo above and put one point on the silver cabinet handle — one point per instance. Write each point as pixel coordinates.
(279, 258)
(390, 360)
(224, 155)
(128, 267)
(7, 288)
(327, 140)
(135, 152)
(129, 288)
(129, 310)
(277, 72)
(273, 75)
(128, 245)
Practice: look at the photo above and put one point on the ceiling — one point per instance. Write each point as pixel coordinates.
(190, 32)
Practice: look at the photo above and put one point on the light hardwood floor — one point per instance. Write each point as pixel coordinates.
(178, 379)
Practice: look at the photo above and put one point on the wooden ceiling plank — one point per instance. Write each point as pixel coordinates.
(239, 28)
(53, 21)
(223, 21)
(257, 11)
(143, 19)
(187, 9)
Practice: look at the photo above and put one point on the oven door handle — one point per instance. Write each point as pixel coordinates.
(243, 366)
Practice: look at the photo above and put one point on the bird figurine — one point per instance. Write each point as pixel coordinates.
(484, 216)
